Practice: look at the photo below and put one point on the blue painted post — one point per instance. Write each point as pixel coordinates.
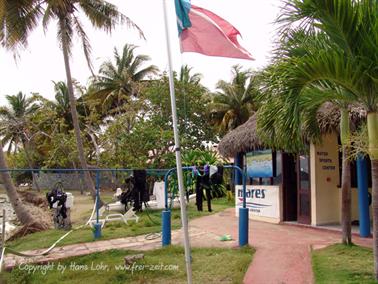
(166, 228)
(238, 162)
(363, 200)
(243, 215)
(243, 226)
(97, 226)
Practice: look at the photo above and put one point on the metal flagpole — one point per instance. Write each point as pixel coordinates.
(184, 218)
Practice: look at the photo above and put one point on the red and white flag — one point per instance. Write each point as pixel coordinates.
(211, 35)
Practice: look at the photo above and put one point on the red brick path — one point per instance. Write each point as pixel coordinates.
(282, 251)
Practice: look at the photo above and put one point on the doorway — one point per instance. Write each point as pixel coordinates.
(289, 187)
(304, 189)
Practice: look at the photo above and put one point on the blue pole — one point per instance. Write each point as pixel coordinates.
(97, 226)
(243, 214)
(363, 199)
(244, 175)
(243, 226)
(166, 228)
(238, 163)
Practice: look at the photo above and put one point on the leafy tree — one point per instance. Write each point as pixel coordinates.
(142, 136)
(192, 101)
(147, 145)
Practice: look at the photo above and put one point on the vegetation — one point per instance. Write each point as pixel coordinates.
(210, 265)
(343, 56)
(235, 101)
(149, 222)
(343, 264)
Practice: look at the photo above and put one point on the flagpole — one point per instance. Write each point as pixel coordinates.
(184, 218)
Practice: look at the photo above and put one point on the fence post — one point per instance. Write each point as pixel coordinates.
(97, 225)
(363, 199)
(3, 231)
(243, 215)
(166, 227)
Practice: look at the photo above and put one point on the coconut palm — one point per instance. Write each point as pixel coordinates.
(186, 78)
(303, 103)
(20, 19)
(16, 126)
(10, 12)
(350, 62)
(235, 101)
(116, 83)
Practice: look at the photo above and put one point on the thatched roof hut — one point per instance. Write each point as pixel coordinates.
(328, 117)
(244, 138)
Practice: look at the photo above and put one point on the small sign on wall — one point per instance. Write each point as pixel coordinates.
(262, 201)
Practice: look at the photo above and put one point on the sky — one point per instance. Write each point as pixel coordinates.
(42, 61)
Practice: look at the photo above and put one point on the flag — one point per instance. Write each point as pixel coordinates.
(204, 32)
(182, 13)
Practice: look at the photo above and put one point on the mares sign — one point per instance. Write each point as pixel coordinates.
(261, 200)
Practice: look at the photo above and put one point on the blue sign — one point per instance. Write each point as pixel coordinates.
(260, 164)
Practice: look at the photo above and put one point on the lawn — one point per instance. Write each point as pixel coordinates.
(149, 222)
(166, 265)
(343, 264)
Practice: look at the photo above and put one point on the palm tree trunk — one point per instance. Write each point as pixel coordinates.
(88, 180)
(22, 213)
(346, 199)
(346, 214)
(372, 124)
(26, 148)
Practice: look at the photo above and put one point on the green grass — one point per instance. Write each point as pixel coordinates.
(343, 264)
(115, 229)
(210, 265)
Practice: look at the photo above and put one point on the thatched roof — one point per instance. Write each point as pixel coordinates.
(244, 138)
(328, 117)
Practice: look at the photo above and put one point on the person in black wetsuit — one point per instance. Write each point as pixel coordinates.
(203, 183)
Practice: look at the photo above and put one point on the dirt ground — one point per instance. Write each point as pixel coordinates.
(81, 211)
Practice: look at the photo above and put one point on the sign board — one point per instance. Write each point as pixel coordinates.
(262, 200)
(260, 163)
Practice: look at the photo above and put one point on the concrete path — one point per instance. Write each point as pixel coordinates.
(198, 237)
(282, 251)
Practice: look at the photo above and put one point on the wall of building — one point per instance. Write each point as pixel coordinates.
(325, 194)
(355, 214)
(325, 179)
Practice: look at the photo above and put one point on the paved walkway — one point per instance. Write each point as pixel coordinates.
(282, 251)
(198, 237)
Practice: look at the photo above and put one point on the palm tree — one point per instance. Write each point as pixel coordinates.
(235, 101)
(61, 106)
(16, 126)
(116, 83)
(288, 116)
(186, 78)
(100, 13)
(351, 62)
(10, 12)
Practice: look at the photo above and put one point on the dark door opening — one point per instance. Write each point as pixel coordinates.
(304, 189)
(289, 187)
